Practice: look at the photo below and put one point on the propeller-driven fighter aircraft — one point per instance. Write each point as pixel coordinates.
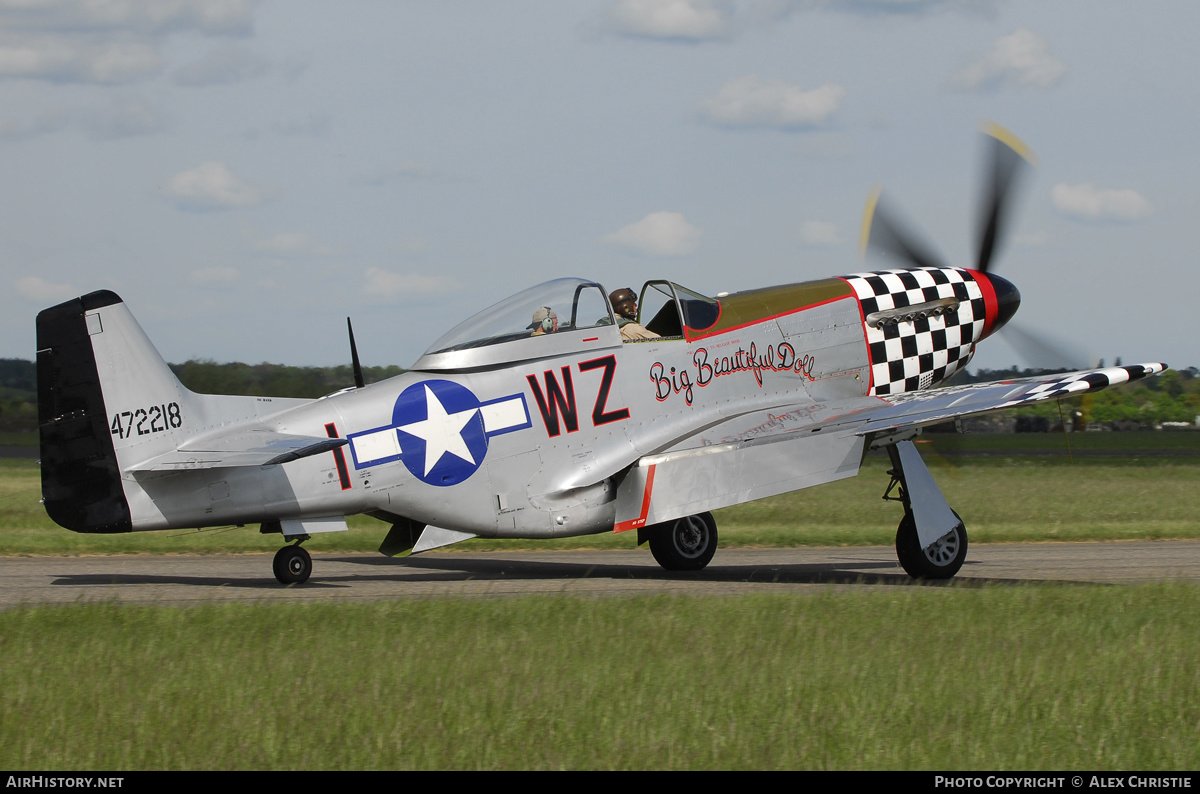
(555, 413)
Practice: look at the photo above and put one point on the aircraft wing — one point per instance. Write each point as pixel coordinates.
(751, 456)
(768, 452)
(239, 447)
(915, 409)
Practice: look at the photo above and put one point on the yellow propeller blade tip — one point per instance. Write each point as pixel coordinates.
(1010, 140)
(864, 236)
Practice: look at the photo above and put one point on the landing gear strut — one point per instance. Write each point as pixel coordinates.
(931, 541)
(292, 564)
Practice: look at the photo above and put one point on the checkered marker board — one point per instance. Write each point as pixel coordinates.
(1080, 382)
(916, 354)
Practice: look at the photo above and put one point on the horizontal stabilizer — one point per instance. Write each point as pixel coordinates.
(240, 447)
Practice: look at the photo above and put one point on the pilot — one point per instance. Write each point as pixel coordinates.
(545, 321)
(624, 303)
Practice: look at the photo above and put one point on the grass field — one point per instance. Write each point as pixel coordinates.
(996, 678)
(1030, 677)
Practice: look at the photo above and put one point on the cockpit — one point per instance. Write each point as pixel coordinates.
(670, 310)
(563, 316)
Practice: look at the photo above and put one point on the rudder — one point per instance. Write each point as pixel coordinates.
(106, 400)
(81, 481)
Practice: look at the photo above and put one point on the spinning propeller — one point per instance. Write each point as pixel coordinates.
(886, 233)
(1007, 159)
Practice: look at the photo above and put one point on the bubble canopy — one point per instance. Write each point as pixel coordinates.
(575, 311)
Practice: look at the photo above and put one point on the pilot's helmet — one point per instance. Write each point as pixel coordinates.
(543, 318)
(620, 297)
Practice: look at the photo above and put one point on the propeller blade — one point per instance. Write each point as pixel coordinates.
(885, 233)
(1008, 157)
(1039, 352)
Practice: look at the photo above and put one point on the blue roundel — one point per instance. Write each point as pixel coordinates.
(440, 427)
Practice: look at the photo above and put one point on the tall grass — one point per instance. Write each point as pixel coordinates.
(956, 678)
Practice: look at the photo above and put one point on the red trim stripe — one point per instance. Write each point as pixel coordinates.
(991, 307)
(862, 319)
(640, 521)
(339, 458)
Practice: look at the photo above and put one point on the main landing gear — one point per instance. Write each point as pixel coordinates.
(292, 564)
(931, 541)
(685, 544)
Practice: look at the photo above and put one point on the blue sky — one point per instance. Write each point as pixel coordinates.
(247, 174)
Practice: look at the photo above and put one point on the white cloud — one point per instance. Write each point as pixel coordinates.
(688, 20)
(1020, 59)
(657, 234)
(146, 17)
(210, 186)
(105, 42)
(1092, 203)
(385, 286)
(76, 59)
(293, 244)
(819, 233)
(221, 67)
(215, 275)
(751, 102)
(42, 291)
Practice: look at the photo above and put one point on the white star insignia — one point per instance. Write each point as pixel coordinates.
(442, 432)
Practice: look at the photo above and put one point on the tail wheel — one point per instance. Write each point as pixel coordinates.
(292, 565)
(940, 561)
(685, 544)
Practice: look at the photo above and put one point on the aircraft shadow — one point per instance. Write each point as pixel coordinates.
(255, 583)
(476, 569)
(467, 569)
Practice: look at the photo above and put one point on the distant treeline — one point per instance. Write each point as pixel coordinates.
(272, 380)
(1173, 396)
(18, 383)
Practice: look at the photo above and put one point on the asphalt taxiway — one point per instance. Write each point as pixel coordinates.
(178, 579)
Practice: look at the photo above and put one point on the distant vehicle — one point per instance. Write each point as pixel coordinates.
(508, 428)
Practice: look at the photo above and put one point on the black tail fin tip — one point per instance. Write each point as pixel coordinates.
(81, 481)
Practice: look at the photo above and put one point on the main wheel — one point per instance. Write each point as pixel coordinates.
(685, 544)
(292, 565)
(940, 561)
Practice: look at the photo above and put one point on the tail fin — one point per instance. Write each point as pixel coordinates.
(106, 398)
